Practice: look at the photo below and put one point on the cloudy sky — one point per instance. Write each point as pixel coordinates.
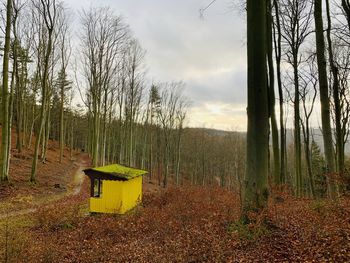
(208, 53)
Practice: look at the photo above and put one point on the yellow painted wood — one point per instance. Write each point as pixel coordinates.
(117, 196)
(132, 193)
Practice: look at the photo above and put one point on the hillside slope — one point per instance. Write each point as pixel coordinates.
(53, 178)
(191, 224)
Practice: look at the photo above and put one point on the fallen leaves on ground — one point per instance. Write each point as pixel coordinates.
(194, 224)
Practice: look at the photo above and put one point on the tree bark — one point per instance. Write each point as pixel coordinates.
(336, 98)
(49, 23)
(297, 137)
(278, 55)
(5, 97)
(324, 98)
(274, 128)
(346, 8)
(256, 184)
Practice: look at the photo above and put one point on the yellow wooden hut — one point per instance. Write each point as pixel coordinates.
(114, 188)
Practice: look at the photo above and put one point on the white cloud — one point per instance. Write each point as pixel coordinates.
(207, 54)
(223, 116)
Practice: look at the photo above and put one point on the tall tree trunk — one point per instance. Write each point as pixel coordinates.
(32, 125)
(278, 55)
(9, 127)
(166, 158)
(46, 132)
(346, 8)
(272, 112)
(150, 161)
(72, 138)
(337, 107)
(159, 168)
(5, 97)
(256, 184)
(25, 101)
(62, 121)
(104, 129)
(18, 83)
(324, 98)
(44, 84)
(96, 136)
(178, 154)
(306, 136)
(297, 137)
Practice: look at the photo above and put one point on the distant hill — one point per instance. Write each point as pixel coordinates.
(316, 134)
(215, 132)
(317, 137)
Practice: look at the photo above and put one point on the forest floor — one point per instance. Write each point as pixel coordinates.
(184, 224)
(54, 179)
(178, 224)
(12, 206)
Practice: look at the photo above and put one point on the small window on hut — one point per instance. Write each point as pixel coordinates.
(97, 188)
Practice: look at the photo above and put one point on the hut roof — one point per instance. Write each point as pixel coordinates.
(115, 172)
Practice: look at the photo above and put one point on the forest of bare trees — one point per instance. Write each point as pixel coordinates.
(122, 117)
(87, 87)
(77, 93)
(304, 44)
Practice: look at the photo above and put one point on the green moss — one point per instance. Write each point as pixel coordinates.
(126, 172)
(248, 231)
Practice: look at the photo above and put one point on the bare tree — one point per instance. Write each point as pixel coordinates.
(102, 35)
(277, 39)
(171, 104)
(5, 97)
(324, 96)
(308, 96)
(272, 112)
(296, 21)
(47, 13)
(135, 55)
(62, 82)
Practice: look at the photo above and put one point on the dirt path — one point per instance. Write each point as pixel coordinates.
(78, 180)
(79, 175)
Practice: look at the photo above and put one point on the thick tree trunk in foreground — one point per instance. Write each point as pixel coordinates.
(324, 98)
(256, 184)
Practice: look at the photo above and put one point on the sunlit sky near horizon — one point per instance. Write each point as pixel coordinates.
(207, 53)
